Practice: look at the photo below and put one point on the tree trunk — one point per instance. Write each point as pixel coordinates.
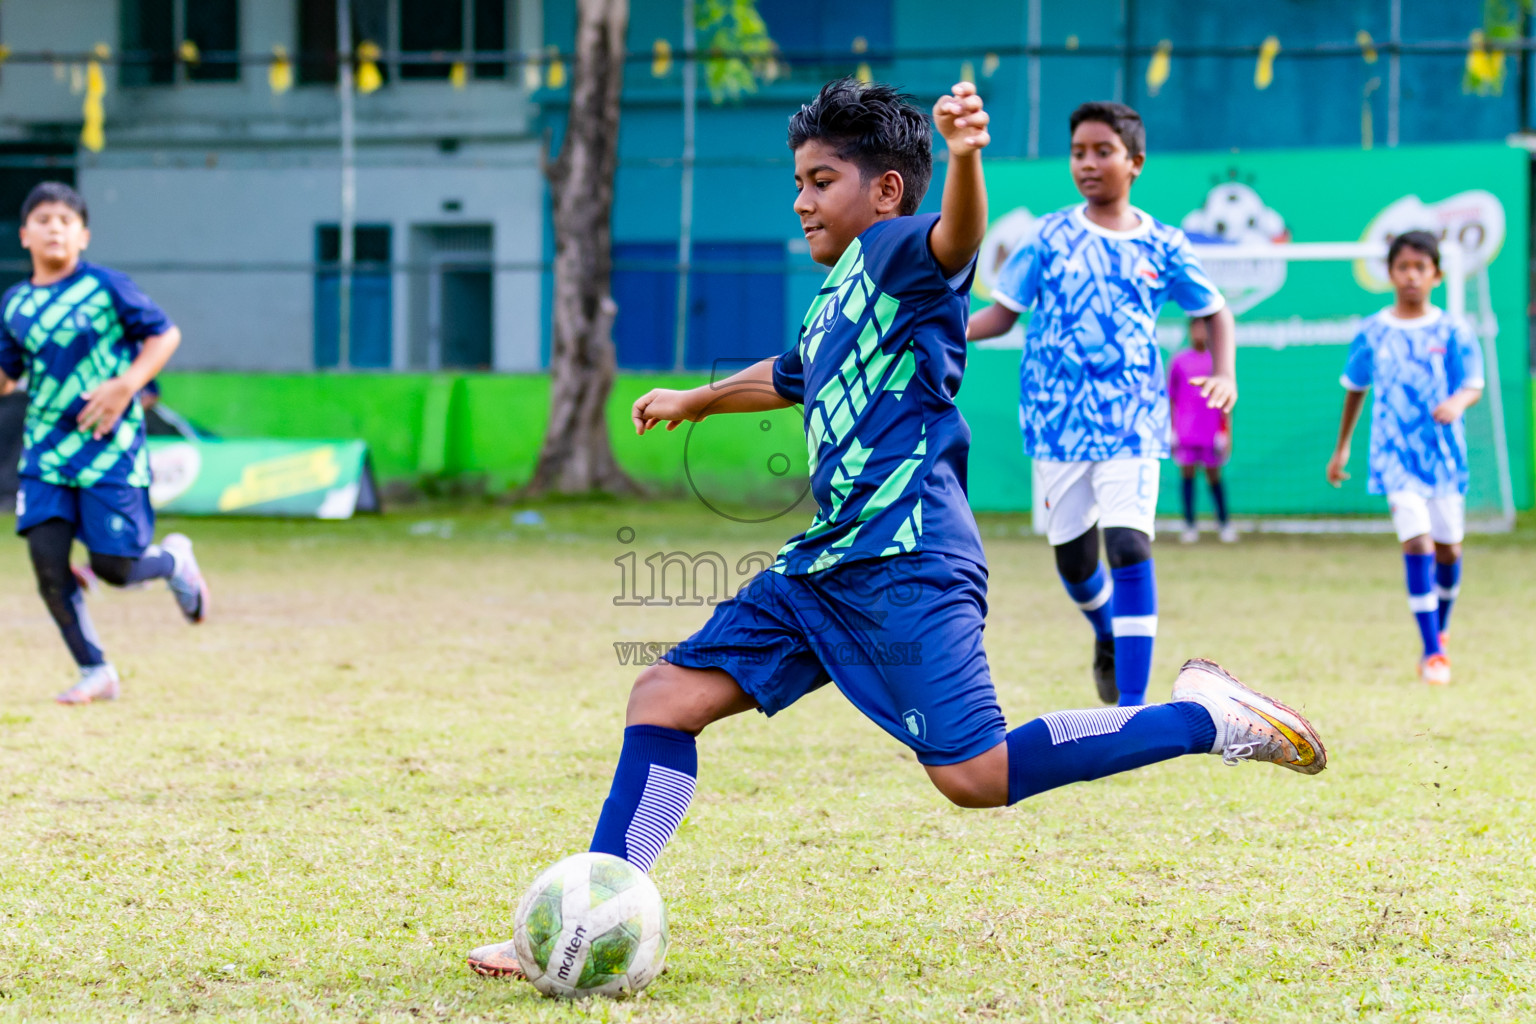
(577, 457)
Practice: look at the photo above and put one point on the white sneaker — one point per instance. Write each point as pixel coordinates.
(98, 682)
(186, 582)
(1228, 534)
(1249, 725)
(1189, 536)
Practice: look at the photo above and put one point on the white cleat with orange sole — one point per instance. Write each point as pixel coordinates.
(1436, 670)
(1249, 725)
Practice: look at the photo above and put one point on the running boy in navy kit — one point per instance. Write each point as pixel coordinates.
(885, 593)
(88, 342)
(1093, 396)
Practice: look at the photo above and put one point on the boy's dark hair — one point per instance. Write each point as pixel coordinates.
(1420, 241)
(55, 192)
(1124, 121)
(875, 127)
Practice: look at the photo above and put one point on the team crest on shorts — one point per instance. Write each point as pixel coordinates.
(915, 723)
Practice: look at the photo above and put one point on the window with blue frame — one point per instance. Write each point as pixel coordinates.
(735, 303)
(372, 327)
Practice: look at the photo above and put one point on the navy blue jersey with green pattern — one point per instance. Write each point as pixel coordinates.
(877, 366)
(68, 338)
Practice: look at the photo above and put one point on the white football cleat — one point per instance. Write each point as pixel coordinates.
(1228, 534)
(187, 583)
(1249, 725)
(98, 682)
(1436, 670)
(1189, 536)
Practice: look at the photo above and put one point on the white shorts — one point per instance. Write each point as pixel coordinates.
(1116, 492)
(1413, 515)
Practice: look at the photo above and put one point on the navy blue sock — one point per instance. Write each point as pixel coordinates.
(1093, 597)
(1422, 601)
(1079, 746)
(652, 787)
(1447, 587)
(1187, 491)
(153, 564)
(1135, 628)
(1219, 499)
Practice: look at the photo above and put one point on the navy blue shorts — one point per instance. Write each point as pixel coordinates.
(901, 637)
(109, 519)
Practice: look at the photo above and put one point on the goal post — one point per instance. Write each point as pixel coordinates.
(1290, 366)
(1288, 371)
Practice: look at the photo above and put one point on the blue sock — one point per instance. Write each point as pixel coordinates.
(1093, 597)
(1187, 492)
(153, 564)
(1422, 601)
(1135, 628)
(1079, 746)
(1447, 587)
(652, 787)
(1219, 499)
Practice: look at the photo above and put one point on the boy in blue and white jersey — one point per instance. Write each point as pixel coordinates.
(884, 594)
(88, 341)
(1094, 395)
(1427, 370)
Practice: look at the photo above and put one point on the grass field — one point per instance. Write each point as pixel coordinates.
(311, 807)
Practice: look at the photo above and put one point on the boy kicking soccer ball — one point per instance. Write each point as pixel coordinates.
(1094, 400)
(88, 341)
(1427, 371)
(885, 593)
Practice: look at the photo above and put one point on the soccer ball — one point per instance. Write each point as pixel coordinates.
(592, 924)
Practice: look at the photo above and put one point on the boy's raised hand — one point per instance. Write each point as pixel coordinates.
(961, 120)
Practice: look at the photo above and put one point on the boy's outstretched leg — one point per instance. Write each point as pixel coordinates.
(1135, 610)
(49, 543)
(654, 779)
(1211, 713)
(172, 561)
(1092, 589)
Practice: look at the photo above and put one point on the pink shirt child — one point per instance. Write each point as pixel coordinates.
(1201, 435)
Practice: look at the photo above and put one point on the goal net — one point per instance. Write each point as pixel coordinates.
(1287, 420)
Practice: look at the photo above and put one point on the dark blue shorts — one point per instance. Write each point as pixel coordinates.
(109, 519)
(901, 637)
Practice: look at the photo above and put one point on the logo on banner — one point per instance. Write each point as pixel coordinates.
(1235, 214)
(173, 469)
(1473, 219)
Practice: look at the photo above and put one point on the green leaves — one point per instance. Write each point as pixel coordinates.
(737, 50)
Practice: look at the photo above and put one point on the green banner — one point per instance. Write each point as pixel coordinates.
(1295, 319)
(300, 479)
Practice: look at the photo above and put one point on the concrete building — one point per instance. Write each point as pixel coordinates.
(221, 195)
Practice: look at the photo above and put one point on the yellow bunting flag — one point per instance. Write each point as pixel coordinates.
(531, 76)
(1367, 46)
(1485, 67)
(93, 135)
(1264, 70)
(661, 59)
(280, 71)
(458, 74)
(554, 77)
(860, 44)
(1072, 43)
(989, 65)
(5, 53)
(369, 79)
(967, 71)
(863, 73)
(189, 53)
(1159, 67)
